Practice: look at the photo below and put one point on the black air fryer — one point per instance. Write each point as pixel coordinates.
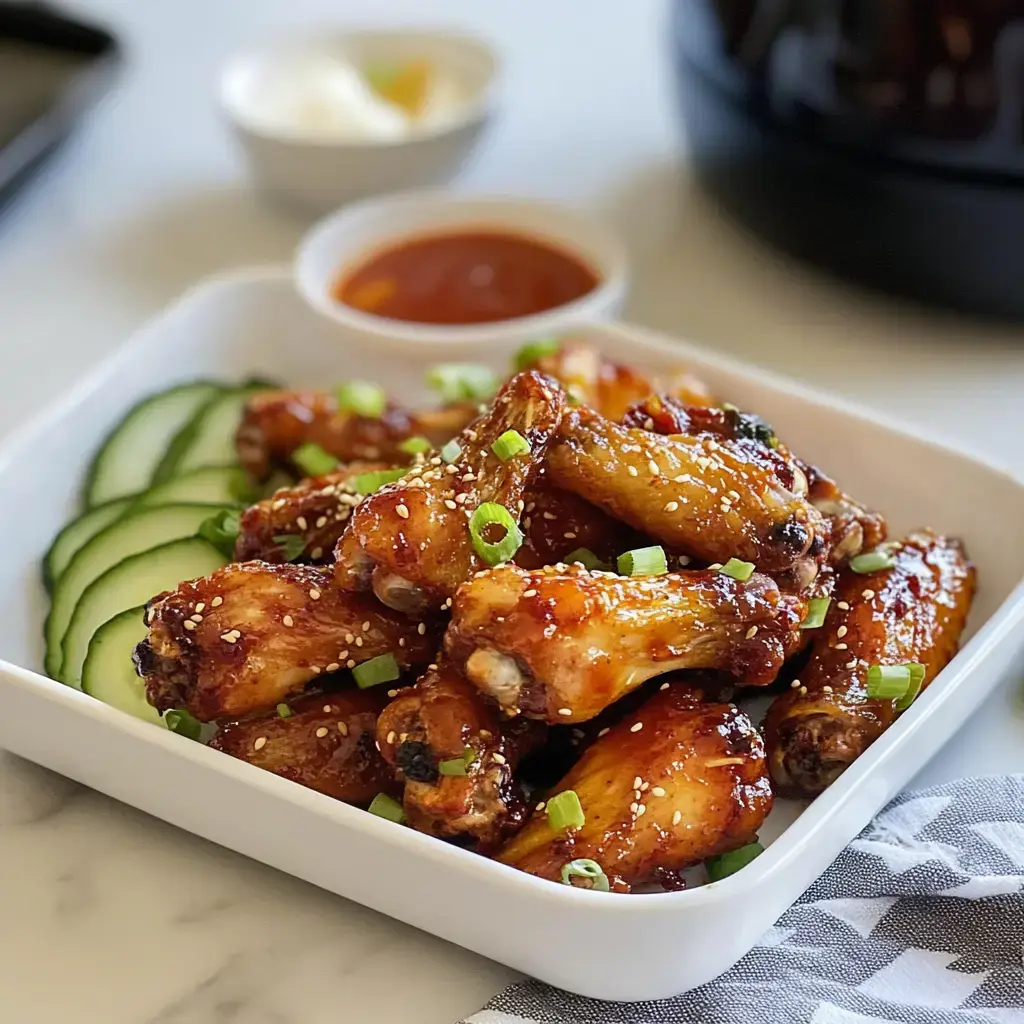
(883, 139)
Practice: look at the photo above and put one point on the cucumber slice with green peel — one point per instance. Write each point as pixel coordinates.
(109, 673)
(221, 485)
(209, 439)
(121, 539)
(129, 456)
(78, 532)
(133, 581)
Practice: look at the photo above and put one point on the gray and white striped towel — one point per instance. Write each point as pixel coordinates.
(921, 919)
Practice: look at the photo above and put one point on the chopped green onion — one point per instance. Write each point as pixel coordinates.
(729, 863)
(180, 721)
(817, 609)
(891, 682)
(643, 562)
(283, 711)
(463, 382)
(589, 870)
(313, 460)
(574, 395)
(451, 451)
(456, 766)
(221, 530)
(917, 673)
(363, 398)
(291, 544)
(388, 807)
(872, 561)
(511, 444)
(564, 811)
(738, 569)
(382, 669)
(535, 350)
(492, 514)
(415, 446)
(586, 558)
(241, 488)
(368, 483)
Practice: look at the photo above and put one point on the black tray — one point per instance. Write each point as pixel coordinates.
(84, 60)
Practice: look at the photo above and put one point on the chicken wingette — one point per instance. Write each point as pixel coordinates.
(674, 783)
(911, 613)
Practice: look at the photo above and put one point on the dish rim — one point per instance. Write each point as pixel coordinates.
(791, 844)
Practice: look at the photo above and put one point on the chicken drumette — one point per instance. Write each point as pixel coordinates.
(561, 644)
(411, 541)
(671, 785)
(250, 635)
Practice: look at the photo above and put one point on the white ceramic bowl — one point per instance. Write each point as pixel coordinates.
(347, 237)
(317, 173)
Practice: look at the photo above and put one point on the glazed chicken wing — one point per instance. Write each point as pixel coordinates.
(314, 512)
(276, 423)
(609, 387)
(411, 540)
(673, 784)
(852, 526)
(326, 743)
(710, 499)
(911, 613)
(250, 635)
(557, 523)
(561, 644)
(443, 720)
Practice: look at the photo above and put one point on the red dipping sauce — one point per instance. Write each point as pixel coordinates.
(471, 277)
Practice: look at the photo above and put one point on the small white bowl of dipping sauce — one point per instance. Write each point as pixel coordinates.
(329, 118)
(441, 269)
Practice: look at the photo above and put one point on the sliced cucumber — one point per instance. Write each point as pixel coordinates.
(78, 532)
(221, 485)
(120, 540)
(109, 673)
(131, 582)
(209, 439)
(131, 452)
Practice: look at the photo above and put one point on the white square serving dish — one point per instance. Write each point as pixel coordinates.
(607, 946)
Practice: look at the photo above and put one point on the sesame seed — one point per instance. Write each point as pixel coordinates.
(867, 594)
(301, 523)
(751, 633)
(569, 535)
(841, 647)
(321, 732)
(795, 685)
(451, 470)
(200, 606)
(841, 632)
(359, 641)
(314, 595)
(333, 667)
(641, 810)
(391, 737)
(634, 807)
(421, 628)
(529, 593)
(315, 669)
(843, 606)
(447, 604)
(448, 503)
(472, 434)
(677, 817)
(342, 655)
(852, 663)
(217, 601)
(826, 689)
(366, 626)
(734, 495)
(540, 806)
(548, 516)
(632, 471)
(343, 728)
(402, 511)
(316, 553)
(151, 615)
(636, 727)
(657, 791)
(229, 636)
(664, 686)
(189, 624)
(654, 468)
(644, 786)
(498, 759)
(260, 743)
(603, 732)
(351, 663)
(803, 691)
(288, 620)
(636, 782)
(565, 711)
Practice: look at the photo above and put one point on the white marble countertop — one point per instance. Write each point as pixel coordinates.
(111, 917)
